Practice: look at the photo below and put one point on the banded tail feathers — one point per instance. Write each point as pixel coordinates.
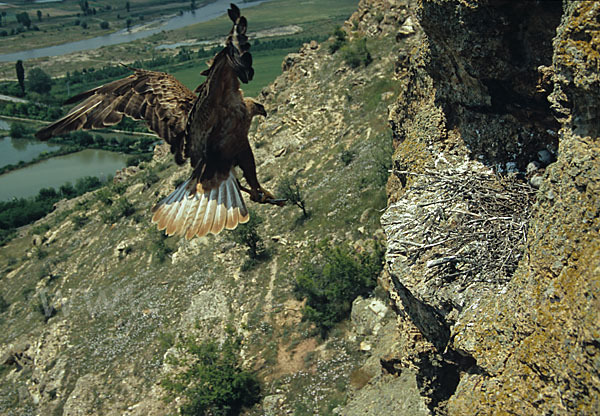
(189, 213)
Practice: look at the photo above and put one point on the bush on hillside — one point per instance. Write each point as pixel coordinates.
(356, 53)
(212, 381)
(289, 189)
(331, 277)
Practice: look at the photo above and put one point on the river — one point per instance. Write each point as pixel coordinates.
(12, 151)
(58, 170)
(202, 14)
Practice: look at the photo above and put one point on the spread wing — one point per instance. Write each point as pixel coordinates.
(155, 97)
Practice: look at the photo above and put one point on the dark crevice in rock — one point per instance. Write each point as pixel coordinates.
(503, 67)
(438, 376)
(426, 318)
(391, 366)
(437, 379)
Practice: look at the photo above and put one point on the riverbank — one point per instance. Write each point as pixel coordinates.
(136, 156)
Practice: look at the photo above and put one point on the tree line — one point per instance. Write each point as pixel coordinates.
(22, 211)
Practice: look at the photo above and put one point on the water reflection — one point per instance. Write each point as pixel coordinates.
(57, 171)
(12, 151)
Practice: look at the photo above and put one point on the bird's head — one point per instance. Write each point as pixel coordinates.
(255, 108)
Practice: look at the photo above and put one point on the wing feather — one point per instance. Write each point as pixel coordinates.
(155, 97)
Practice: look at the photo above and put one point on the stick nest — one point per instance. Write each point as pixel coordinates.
(462, 227)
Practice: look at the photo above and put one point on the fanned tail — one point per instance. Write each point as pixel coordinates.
(189, 213)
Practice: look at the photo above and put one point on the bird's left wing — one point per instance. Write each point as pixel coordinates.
(155, 97)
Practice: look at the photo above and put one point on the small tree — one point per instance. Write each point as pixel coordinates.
(19, 130)
(39, 15)
(289, 189)
(331, 277)
(357, 53)
(39, 81)
(24, 19)
(20, 75)
(211, 379)
(339, 40)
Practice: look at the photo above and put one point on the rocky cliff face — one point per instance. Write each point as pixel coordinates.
(495, 281)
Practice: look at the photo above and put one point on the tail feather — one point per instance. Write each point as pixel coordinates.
(209, 214)
(232, 210)
(221, 213)
(174, 223)
(165, 214)
(198, 213)
(198, 218)
(239, 203)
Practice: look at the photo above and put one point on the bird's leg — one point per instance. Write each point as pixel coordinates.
(264, 196)
(257, 192)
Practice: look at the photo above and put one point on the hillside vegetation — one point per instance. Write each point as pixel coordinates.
(103, 314)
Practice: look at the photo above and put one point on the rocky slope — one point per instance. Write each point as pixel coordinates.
(98, 301)
(490, 291)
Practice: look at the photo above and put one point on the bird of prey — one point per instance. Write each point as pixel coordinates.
(208, 126)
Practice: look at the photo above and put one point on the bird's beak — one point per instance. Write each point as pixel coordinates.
(261, 110)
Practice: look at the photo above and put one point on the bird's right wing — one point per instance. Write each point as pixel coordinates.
(155, 97)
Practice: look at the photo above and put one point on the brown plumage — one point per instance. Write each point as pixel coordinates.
(210, 129)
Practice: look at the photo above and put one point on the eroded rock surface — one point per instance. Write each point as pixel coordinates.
(490, 88)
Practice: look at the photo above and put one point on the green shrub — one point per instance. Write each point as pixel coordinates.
(150, 177)
(79, 221)
(247, 234)
(120, 209)
(158, 244)
(39, 81)
(347, 156)
(212, 381)
(356, 53)
(331, 277)
(119, 188)
(338, 41)
(137, 159)
(105, 196)
(86, 184)
(19, 130)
